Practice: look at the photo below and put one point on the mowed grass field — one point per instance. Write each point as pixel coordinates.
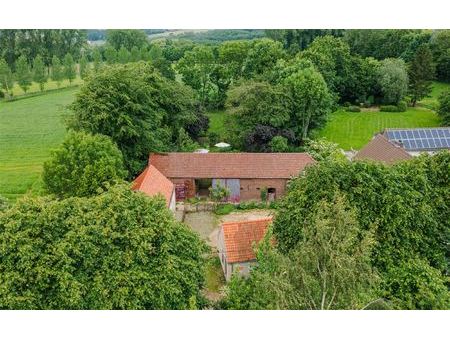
(29, 128)
(49, 85)
(354, 130)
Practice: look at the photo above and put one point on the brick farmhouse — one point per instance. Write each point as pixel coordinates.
(244, 174)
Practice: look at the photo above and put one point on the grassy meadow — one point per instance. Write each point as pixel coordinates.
(354, 130)
(49, 86)
(29, 128)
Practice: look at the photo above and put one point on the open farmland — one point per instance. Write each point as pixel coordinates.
(29, 129)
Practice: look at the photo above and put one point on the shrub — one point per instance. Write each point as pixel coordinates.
(213, 138)
(354, 109)
(279, 144)
(389, 108)
(402, 106)
(264, 192)
(83, 165)
(219, 193)
(249, 205)
(323, 150)
(444, 108)
(224, 209)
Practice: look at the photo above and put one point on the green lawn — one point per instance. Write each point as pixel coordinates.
(354, 130)
(217, 121)
(432, 101)
(29, 128)
(49, 85)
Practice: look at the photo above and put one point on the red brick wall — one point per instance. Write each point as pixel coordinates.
(251, 188)
(189, 183)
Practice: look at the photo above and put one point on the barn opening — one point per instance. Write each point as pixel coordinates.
(202, 186)
(271, 194)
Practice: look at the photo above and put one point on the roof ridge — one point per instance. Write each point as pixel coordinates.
(248, 221)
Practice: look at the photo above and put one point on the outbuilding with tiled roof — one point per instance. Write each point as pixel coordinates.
(236, 244)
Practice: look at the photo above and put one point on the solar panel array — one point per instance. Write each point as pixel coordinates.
(421, 138)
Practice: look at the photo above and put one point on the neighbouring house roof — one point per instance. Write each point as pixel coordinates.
(152, 182)
(230, 165)
(240, 236)
(381, 149)
(420, 139)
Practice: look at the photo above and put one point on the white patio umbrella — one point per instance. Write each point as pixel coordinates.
(222, 145)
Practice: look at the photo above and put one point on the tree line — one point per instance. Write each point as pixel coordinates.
(38, 72)
(355, 235)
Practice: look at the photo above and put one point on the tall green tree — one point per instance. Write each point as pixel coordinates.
(262, 56)
(123, 55)
(135, 54)
(331, 57)
(138, 108)
(232, 55)
(57, 73)
(97, 59)
(417, 189)
(257, 112)
(6, 77)
(110, 55)
(299, 39)
(393, 80)
(421, 74)
(23, 73)
(127, 38)
(444, 108)
(44, 42)
(196, 67)
(329, 268)
(84, 66)
(311, 100)
(39, 72)
(83, 165)
(117, 250)
(440, 46)
(70, 71)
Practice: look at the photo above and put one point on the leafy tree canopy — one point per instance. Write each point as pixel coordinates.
(444, 108)
(389, 197)
(139, 109)
(117, 250)
(421, 73)
(393, 80)
(262, 56)
(127, 38)
(83, 165)
(329, 268)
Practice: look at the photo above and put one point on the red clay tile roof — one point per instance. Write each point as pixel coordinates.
(152, 182)
(230, 165)
(240, 236)
(381, 149)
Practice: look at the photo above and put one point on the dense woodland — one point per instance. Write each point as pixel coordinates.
(347, 235)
